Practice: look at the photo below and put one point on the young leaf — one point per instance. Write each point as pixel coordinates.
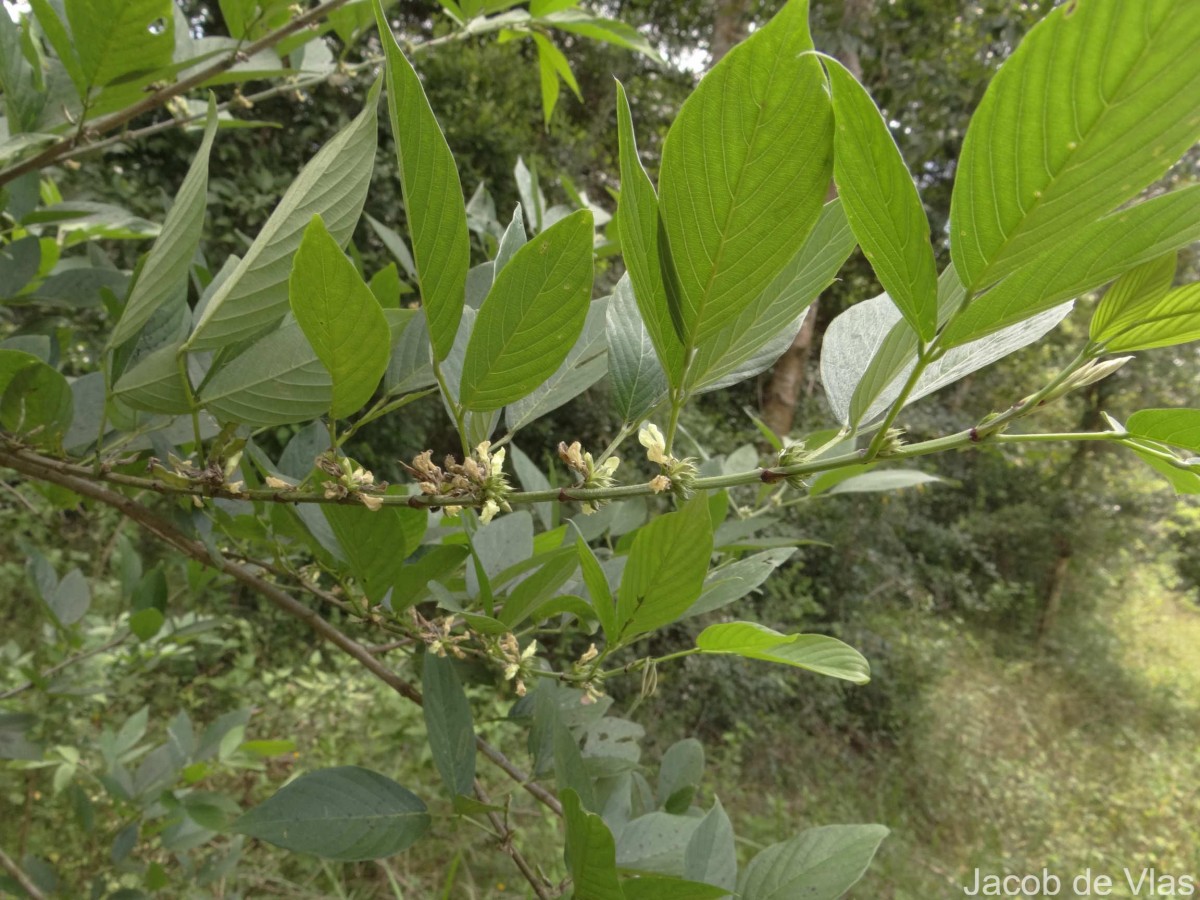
(449, 724)
(598, 590)
(591, 852)
(551, 65)
(731, 582)
(1177, 427)
(665, 572)
(637, 377)
(433, 197)
(745, 169)
(334, 186)
(1097, 102)
(340, 317)
(345, 813)
(815, 652)
(169, 259)
(532, 316)
(1172, 319)
(820, 863)
(1130, 295)
(881, 202)
(883, 480)
(644, 248)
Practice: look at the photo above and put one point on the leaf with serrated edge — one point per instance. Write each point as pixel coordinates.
(433, 197)
(1096, 103)
(745, 170)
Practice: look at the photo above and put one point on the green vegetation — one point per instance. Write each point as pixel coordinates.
(479, 489)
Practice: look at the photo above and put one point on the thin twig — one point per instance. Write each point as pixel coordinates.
(77, 658)
(161, 97)
(507, 845)
(19, 876)
(50, 470)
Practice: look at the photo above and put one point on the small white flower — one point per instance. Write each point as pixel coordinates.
(490, 508)
(498, 462)
(609, 466)
(656, 446)
(279, 484)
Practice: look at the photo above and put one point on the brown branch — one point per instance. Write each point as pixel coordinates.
(506, 844)
(7, 864)
(161, 97)
(49, 470)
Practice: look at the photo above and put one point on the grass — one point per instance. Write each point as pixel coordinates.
(1085, 757)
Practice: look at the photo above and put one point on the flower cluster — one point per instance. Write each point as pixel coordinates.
(676, 475)
(477, 479)
(516, 661)
(350, 479)
(215, 475)
(589, 475)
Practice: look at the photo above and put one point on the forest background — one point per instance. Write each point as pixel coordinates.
(1031, 620)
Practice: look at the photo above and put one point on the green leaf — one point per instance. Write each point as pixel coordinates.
(735, 580)
(333, 186)
(598, 590)
(1132, 294)
(647, 256)
(344, 813)
(586, 363)
(638, 381)
(341, 319)
(745, 169)
(1183, 481)
(538, 588)
(663, 887)
(1177, 427)
(449, 724)
(655, 842)
(70, 598)
(167, 264)
(1091, 256)
(155, 384)
(433, 197)
(883, 480)
(591, 853)
(146, 623)
(608, 31)
(35, 400)
(815, 652)
(1097, 102)
(548, 74)
(764, 330)
(376, 542)
(881, 202)
(820, 863)
(665, 572)
(710, 855)
(114, 38)
(277, 380)
(681, 769)
(532, 316)
(1172, 319)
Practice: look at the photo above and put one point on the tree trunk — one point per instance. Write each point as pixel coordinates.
(788, 374)
(730, 25)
